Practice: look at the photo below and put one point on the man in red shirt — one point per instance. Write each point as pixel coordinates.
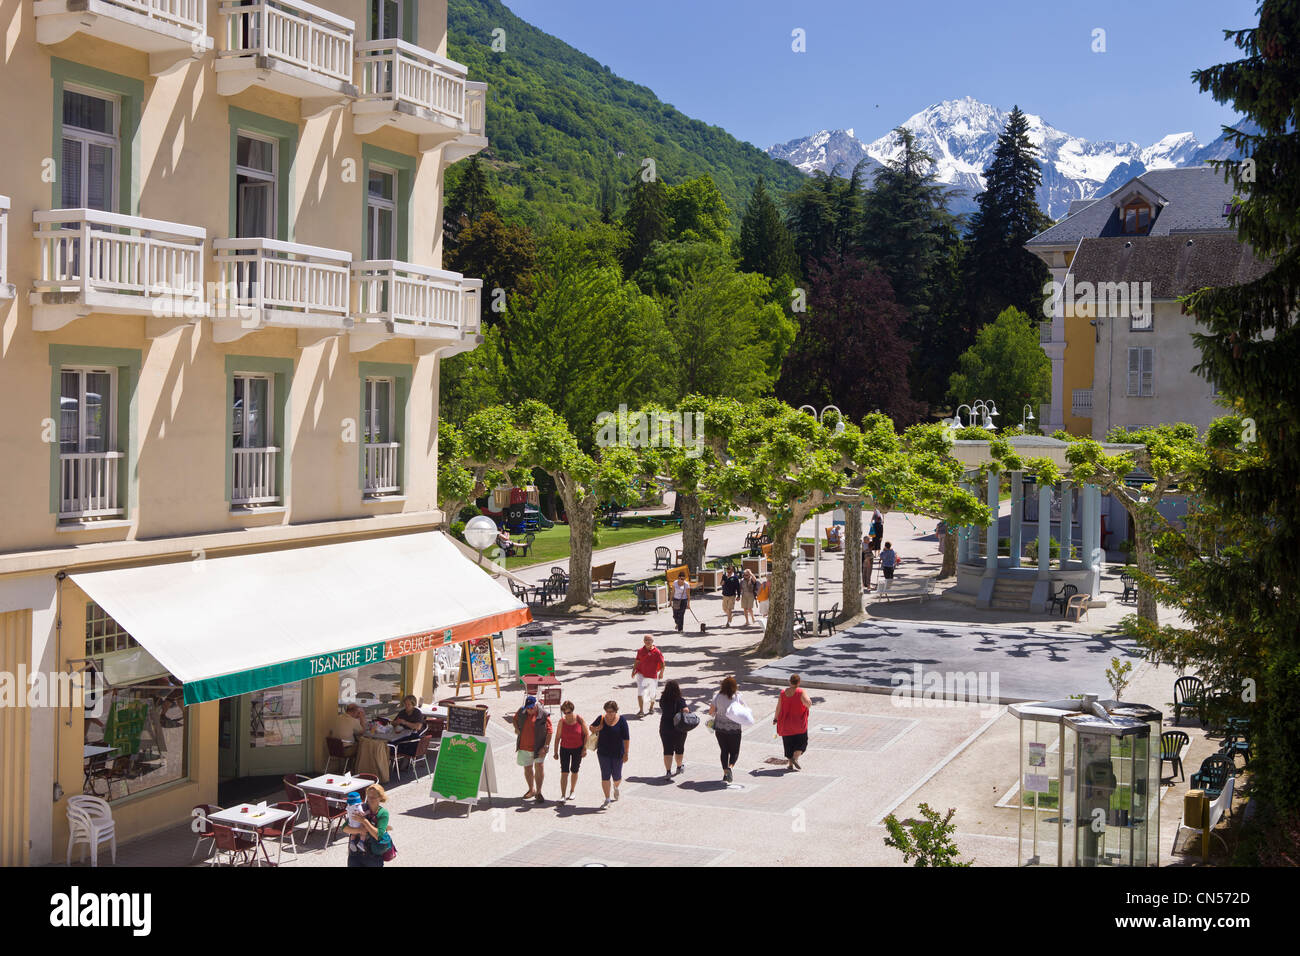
(648, 671)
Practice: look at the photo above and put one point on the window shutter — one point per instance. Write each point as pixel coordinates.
(1148, 371)
(1134, 371)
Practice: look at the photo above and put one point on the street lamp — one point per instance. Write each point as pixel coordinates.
(480, 534)
(1026, 418)
(817, 518)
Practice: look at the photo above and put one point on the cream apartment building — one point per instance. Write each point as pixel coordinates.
(222, 312)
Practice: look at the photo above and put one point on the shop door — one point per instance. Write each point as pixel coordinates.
(266, 733)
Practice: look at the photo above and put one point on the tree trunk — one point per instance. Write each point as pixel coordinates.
(949, 569)
(1146, 563)
(778, 638)
(851, 594)
(692, 530)
(582, 529)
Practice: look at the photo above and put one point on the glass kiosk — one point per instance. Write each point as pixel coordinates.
(1089, 783)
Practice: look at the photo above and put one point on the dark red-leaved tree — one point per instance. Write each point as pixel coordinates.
(849, 351)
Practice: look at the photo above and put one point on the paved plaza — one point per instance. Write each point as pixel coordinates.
(869, 754)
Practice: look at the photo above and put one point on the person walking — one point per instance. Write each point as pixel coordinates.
(570, 745)
(681, 599)
(791, 719)
(748, 595)
(730, 591)
(674, 737)
(889, 560)
(612, 749)
(532, 735)
(727, 730)
(868, 564)
(368, 841)
(648, 671)
(877, 529)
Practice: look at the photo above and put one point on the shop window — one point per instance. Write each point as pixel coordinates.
(275, 716)
(376, 688)
(137, 730)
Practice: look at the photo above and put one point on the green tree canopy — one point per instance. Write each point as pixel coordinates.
(765, 244)
(1006, 364)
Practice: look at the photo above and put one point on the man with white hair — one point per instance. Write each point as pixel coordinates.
(648, 671)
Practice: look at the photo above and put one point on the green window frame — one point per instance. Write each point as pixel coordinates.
(130, 96)
(127, 362)
(286, 135)
(405, 167)
(410, 21)
(281, 371)
(401, 376)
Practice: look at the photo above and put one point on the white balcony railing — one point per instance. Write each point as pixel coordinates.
(415, 300)
(1081, 403)
(1044, 332)
(186, 14)
(6, 290)
(269, 282)
(170, 31)
(255, 476)
(381, 468)
(88, 484)
(392, 71)
(292, 32)
(476, 108)
(124, 264)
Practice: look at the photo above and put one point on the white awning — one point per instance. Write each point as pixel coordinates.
(231, 625)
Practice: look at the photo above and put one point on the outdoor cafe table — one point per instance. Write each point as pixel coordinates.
(247, 816)
(336, 785)
(372, 750)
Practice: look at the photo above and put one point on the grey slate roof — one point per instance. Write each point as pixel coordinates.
(1078, 205)
(1196, 194)
(1174, 265)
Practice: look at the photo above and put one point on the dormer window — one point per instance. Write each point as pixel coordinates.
(1137, 218)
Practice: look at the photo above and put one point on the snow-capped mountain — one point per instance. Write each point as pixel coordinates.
(960, 135)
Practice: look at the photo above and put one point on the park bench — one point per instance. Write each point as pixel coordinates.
(603, 573)
(921, 588)
(1222, 804)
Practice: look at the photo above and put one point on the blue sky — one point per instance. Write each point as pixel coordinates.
(869, 65)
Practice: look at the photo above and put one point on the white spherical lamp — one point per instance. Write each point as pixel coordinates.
(480, 532)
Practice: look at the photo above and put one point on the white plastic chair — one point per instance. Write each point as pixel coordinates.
(90, 821)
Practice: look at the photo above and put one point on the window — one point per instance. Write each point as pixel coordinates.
(136, 732)
(381, 448)
(1141, 364)
(1137, 218)
(386, 21)
(255, 186)
(255, 472)
(381, 213)
(90, 150)
(89, 461)
(1081, 403)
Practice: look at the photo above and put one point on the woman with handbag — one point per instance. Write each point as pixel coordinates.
(372, 845)
(725, 710)
(570, 744)
(673, 712)
(791, 720)
(614, 737)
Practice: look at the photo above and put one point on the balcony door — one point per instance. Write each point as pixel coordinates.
(255, 471)
(255, 187)
(381, 213)
(386, 20)
(380, 442)
(88, 463)
(90, 151)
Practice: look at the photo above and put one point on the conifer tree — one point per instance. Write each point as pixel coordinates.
(765, 244)
(469, 199)
(998, 271)
(647, 220)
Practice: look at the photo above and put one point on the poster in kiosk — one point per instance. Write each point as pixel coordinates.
(464, 766)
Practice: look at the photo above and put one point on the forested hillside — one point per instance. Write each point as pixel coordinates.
(568, 136)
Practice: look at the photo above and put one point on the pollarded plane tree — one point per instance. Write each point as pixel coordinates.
(788, 466)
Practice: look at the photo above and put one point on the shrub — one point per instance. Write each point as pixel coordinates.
(928, 842)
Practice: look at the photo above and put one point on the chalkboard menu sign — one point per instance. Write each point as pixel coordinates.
(466, 720)
(459, 770)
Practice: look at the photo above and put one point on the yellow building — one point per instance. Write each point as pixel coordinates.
(222, 312)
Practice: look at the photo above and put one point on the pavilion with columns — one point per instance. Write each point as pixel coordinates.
(1008, 580)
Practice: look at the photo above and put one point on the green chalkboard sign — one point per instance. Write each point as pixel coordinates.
(535, 654)
(459, 768)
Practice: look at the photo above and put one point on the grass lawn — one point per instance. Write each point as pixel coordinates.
(552, 545)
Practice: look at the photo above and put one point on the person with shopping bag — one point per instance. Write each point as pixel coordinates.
(730, 717)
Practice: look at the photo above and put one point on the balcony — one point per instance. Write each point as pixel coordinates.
(268, 283)
(254, 477)
(88, 485)
(1044, 332)
(475, 136)
(414, 90)
(382, 477)
(290, 47)
(6, 287)
(1081, 403)
(172, 32)
(93, 261)
(402, 300)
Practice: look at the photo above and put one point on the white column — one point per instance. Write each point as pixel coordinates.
(1067, 529)
(991, 534)
(1086, 524)
(1044, 530)
(1017, 502)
